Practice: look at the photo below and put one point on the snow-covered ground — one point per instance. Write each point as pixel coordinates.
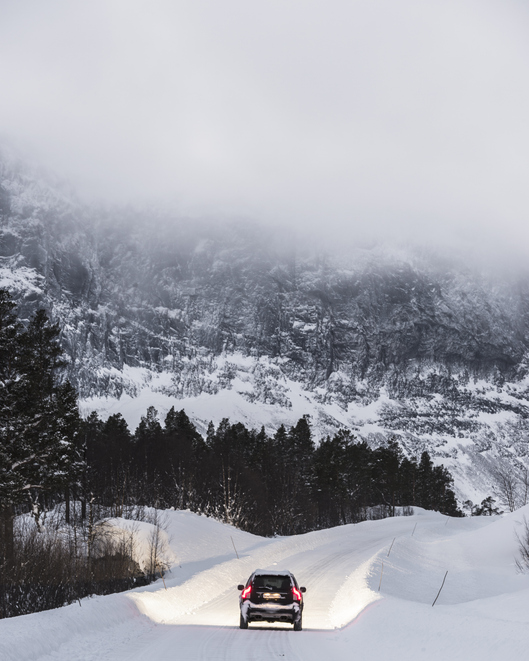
(482, 612)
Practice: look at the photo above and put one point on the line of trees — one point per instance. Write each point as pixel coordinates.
(267, 484)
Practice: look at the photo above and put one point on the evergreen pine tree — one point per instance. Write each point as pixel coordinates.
(10, 481)
(40, 456)
(149, 440)
(46, 416)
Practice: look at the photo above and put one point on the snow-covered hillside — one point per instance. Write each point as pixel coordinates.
(481, 612)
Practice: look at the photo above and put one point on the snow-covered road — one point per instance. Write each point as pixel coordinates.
(482, 612)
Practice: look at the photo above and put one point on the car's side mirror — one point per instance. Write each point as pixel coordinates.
(240, 587)
(302, 589)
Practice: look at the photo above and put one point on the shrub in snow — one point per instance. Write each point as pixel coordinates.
(147, 544)
(523, 546)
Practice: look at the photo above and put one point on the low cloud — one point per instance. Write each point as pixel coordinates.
(354, 118)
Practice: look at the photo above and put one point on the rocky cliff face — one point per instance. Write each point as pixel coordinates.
(385, 342)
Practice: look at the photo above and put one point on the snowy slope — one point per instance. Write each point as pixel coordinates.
(482, 612)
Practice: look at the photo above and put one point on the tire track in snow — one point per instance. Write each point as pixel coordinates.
(254, 644)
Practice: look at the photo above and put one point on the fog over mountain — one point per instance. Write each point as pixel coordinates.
(262, 212)
(403, 119)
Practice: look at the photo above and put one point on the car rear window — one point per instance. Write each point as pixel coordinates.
(270, 582)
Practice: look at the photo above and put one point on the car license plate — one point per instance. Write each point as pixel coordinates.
(271, 595)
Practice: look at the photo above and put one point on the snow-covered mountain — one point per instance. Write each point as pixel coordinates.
(235, 320)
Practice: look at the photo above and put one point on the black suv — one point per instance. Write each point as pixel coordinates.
(271, 596)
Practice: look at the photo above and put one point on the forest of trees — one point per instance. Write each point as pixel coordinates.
(278, 484)
(52, 459)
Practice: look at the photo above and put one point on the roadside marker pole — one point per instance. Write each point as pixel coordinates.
(444, 579)
(414, 528)
(381, 572)
(394, 538)
(234, 547)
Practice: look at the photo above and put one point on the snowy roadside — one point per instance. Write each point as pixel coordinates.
(481, 613)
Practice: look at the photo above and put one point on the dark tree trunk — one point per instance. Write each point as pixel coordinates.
(7, 536)
(67, 506)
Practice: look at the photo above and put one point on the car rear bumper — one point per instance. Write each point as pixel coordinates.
(271, 613)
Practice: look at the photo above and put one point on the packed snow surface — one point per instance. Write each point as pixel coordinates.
(370, 590)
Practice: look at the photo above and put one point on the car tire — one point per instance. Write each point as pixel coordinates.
(298, 624)
(243, 624)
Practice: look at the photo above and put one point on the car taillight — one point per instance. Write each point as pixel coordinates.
(246, 592)
(296, 593)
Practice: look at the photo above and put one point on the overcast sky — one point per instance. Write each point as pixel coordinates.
(408, 116)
